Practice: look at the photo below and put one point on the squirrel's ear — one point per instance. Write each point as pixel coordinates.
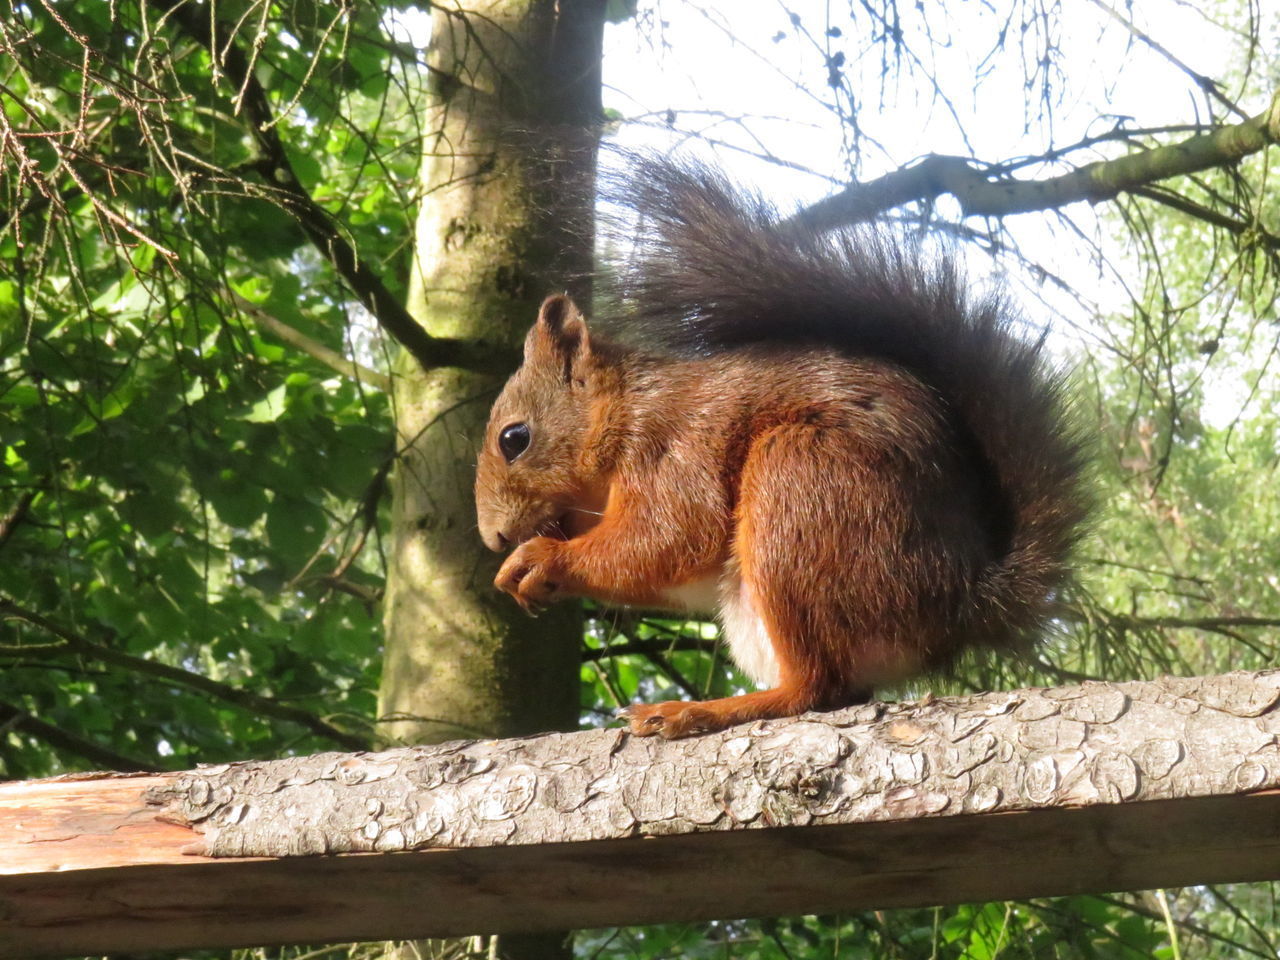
(559, 336)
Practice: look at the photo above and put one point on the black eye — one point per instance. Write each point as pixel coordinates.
(514, 440)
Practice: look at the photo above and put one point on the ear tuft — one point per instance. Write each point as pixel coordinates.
(559, 311)
(560, 335)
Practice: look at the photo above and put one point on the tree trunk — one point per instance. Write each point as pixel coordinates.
(507, 185)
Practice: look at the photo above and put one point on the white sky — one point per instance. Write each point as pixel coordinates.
(733, 65)
(746, 57)
(716, 60)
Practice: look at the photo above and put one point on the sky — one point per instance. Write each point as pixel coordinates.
(691, 56)
(751, 76)
(732, 71)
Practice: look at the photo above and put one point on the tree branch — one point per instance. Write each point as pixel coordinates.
(982, 190)
(1208, 215)
(11, 520)
(1207, 84)
(314, 348)
(315, 221)
(263, 706)
(12, 717)
(1188, 623)
(647, 648)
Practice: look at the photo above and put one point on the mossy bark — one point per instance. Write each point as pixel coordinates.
(505, 219)
(508, 168)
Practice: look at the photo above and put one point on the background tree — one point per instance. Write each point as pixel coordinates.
(204, 271)
(507, 174)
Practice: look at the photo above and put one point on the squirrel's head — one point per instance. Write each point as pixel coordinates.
(534, 474)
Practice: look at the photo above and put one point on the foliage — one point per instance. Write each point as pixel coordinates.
(180, 488)
(1088, 928)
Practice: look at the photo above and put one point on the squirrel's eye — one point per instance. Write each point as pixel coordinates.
(514, 440)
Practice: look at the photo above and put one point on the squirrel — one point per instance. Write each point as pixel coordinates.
(826, 441)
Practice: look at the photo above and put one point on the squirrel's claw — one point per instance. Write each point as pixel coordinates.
(527, 574)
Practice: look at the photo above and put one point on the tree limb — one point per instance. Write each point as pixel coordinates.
(56, 737)
(1096, 743)
(263, 706)
(1207, 214)
(1022, 793)
(314, 348)
(983, 190)
(315, 221)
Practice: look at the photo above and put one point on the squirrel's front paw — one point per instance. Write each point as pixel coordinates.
(530, 573)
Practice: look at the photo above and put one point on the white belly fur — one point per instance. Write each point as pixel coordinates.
(745, 632)
(740, 625)
(696, 596)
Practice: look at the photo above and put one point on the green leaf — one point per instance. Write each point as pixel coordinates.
(237, 502)
(269, 408)
(295, 529)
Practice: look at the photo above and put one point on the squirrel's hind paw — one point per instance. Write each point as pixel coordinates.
(671, 720)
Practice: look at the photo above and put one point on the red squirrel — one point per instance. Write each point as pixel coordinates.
(825, 441)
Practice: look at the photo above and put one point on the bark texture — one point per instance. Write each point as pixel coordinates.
(507, 182)
(1099, 743)
(1100, 787)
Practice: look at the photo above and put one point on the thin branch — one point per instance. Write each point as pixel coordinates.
(13, 519)
(369, 596)
(264, 706)
(610, 687)
(1117, 134)
(367, 514)
(1207, 84)
(665, 666)
(1061, 673)
(315, 221)
(1188, 925)
(1243, 918)
(1216, 624)
(1208, 215)
(647, 648)
(314, 348)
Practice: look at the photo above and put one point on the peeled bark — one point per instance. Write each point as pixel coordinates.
(999, 752)
(1092, 788)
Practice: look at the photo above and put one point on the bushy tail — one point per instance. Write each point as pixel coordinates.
(714, 268)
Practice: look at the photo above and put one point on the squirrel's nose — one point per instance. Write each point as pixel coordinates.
(495, 540)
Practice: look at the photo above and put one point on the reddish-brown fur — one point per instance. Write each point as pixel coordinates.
(836, 508)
